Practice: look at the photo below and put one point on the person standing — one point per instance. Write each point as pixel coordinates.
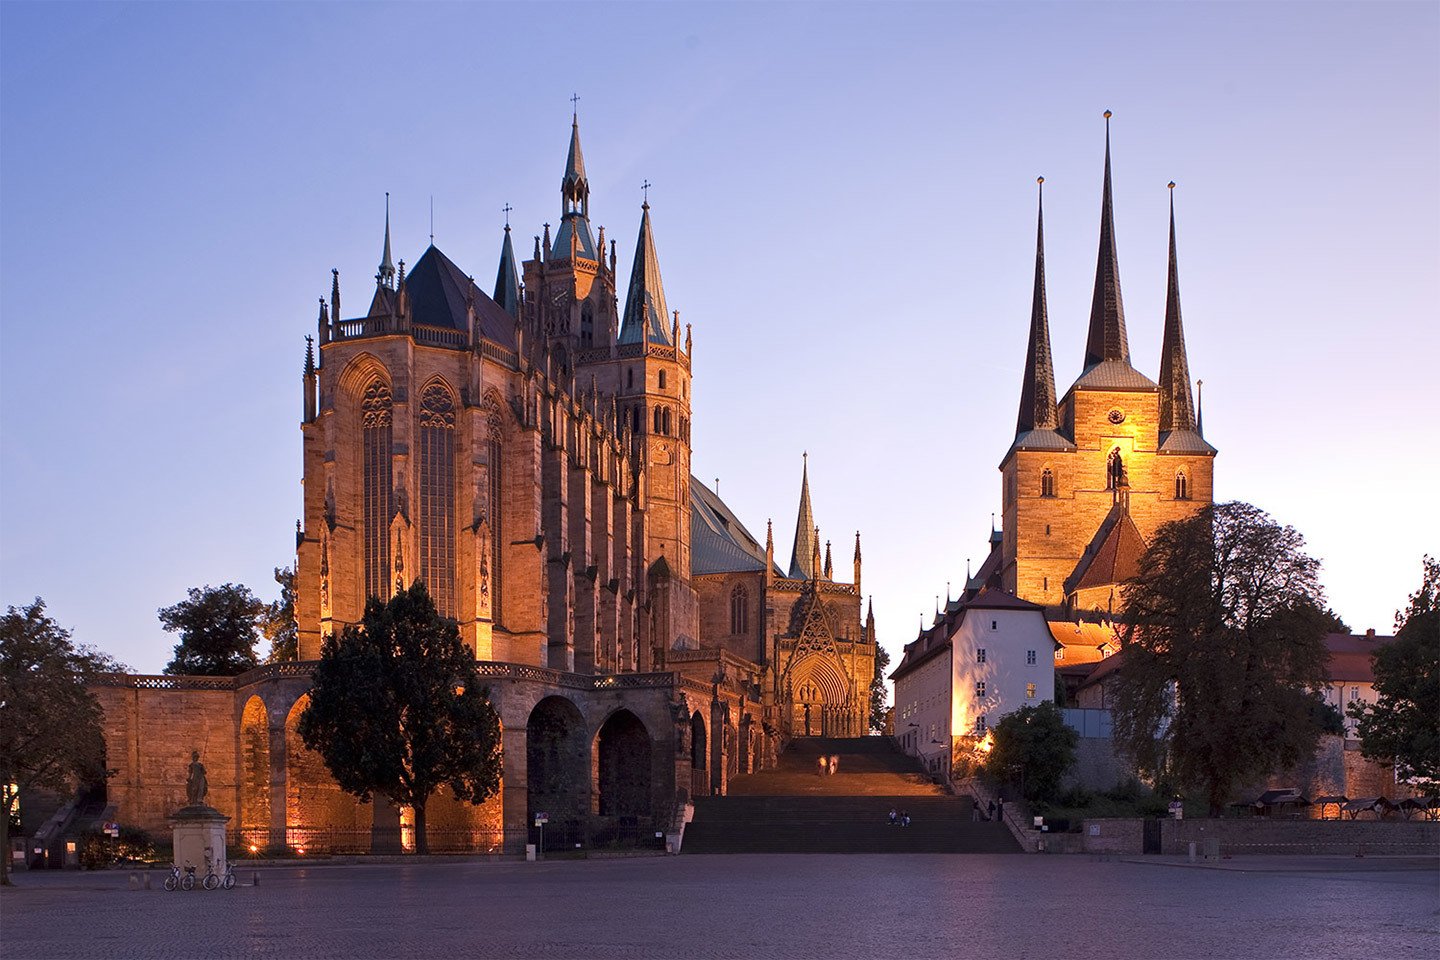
(834, 763)
(821, 765)
(990, 810)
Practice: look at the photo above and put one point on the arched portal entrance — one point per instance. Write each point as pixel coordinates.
(319, 816)
(623, 779)
(820, 699)
(557, 772)
(255, 775)
(699, 751)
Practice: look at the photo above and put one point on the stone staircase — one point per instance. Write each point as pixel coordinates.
(792, 809)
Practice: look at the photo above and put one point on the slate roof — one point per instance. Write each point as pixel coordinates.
(1184, 441)
(802, 553)
(719, 542)
(1107, 339)
(1177, 406)
(1037, 392)
(1113, 375)
(578, 225)
(1113, 555)
(994, 598)
(438, 290)
(647, 317)
(507, 278)
(1350, 656)
(1082, 641)
(1039, 440)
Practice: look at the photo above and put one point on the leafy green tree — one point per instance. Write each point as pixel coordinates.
(1224, 652)
(278, 623)
(1033, 748)
(50, 722)
(218, 627)
(1402, 725)
(879, 696)
(397, 710)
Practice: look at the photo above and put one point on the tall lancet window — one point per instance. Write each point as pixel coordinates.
(378, 493)
(495, 515)
(1047, 483)
(1182, 486)
(437, 496)
(1114, 470)
(740, 610)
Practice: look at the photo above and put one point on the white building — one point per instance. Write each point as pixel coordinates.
(983, 658)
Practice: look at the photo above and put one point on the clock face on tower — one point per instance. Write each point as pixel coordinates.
(1117, 416)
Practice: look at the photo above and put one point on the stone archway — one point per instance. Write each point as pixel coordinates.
(254, 775)
(557, 771)
(319, 816)
(820, 698)
(699, 754)
(624, 758)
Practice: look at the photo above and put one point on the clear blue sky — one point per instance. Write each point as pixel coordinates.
(844, 209)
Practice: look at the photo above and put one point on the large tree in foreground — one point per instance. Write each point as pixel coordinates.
(218, 629)
(397, 710)
(1403, 726)
(1033, 748)
(1224, 652)
(50, 734)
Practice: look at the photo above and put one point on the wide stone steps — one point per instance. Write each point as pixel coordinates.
(792, 809)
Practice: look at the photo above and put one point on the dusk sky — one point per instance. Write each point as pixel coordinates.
(844, 207)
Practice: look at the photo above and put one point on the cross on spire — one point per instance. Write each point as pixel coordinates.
(574, 108)
(645, 188)
(507, 208)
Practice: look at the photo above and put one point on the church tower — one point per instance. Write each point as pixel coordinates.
(1090, 478)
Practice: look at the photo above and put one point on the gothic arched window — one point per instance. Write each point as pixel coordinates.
(740, 610)
(630, 378)
(437, 496)
(635, 419)
(587, 326)
(1114, 470)
(665, 421)
(1182, 486)
(377, 485)
(1047, 483)
(657, 420)
(495, 515)
(662, 379)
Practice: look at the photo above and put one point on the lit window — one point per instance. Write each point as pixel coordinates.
(980, 655)
(377, 486)
(1059, 653)
(1114, 470)
(1030, 657)
(437, 496)
(1030, 691)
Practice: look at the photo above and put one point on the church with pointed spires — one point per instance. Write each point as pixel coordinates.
(1094, 472)
(525, 452)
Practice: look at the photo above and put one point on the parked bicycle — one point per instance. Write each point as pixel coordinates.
(212, 879)
(185, 882)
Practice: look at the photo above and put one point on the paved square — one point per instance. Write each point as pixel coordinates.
(747, 906)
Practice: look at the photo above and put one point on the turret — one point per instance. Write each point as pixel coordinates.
(1107, 339)
(386, 275)
(646, 318)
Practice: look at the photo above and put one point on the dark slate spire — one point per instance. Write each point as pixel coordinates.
(386, 276)
(646, 316)
(573, 237)
(507, 278)
(1176, 410)
(802, 554)
(1107, 339)
(1037, 394)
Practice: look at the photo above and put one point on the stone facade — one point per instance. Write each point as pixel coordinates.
(526, 456)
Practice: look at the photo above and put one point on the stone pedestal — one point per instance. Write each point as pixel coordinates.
(199, 832)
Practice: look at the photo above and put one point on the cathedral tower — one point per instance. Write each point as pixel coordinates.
(1088, 480)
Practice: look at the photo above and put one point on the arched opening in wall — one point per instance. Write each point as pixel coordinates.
(665, 422)
(630, 378)
(557, 781)
(635, 419)
(1114, 470)
(1182, 486)
(562, 361)
(820, 701)
(377, 485)
(657, 420)
(319, 816)
(740, 610)
(622, 778)
(494, 505)
(662, 379)
(458, 826)
(699, 752)
(255, 776)
(1047, 483)
(587, 326)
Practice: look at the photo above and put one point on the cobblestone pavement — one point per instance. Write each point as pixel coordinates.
(745, 906)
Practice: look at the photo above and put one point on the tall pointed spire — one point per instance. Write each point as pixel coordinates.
(1107, 340)
(801, 555)
(1037, 393)
(386, 276)
(1176, 409)
(573, 238)
(507, 278)
(646, 318)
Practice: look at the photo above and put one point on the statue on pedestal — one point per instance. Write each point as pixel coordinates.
(196, 786)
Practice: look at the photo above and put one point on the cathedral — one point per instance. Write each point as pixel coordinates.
(526, 454)
(1091, 476)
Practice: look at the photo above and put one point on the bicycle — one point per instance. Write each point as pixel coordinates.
(172, 881)
(187, 882)
(228, 881)
(212, 880)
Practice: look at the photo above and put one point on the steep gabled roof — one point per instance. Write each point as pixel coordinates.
(438, 292)
(719, 542)
(1113, 555)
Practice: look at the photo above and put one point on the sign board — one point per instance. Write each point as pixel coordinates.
(541, 819)
(1094, 829)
